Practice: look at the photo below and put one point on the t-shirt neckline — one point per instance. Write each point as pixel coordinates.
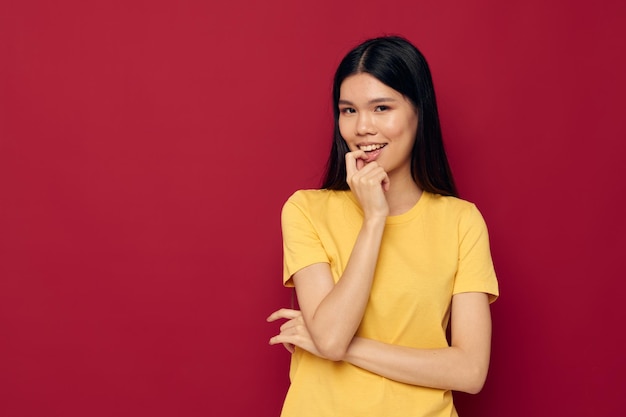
(400, 218)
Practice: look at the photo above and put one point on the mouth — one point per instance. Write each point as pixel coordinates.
(372, 151)
(372, 147)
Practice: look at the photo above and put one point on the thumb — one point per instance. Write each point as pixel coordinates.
(385, 183)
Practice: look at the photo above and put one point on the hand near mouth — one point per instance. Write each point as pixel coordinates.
(362, 161)
(369, 182)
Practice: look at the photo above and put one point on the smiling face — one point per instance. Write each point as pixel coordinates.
(379, 120)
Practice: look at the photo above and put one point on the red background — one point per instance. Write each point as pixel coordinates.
(146, 148)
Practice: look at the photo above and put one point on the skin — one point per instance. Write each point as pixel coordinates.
(372, 113)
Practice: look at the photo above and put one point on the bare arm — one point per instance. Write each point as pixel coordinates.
(461, 367)
(332, 312)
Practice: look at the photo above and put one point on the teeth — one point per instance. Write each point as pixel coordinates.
(369, 148)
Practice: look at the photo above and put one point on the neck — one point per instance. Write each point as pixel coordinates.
(402, 195)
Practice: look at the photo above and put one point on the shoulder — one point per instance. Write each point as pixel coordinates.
(314, 200)
(454, 212)
(450, 206)
(317, 207)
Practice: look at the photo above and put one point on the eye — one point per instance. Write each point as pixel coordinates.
(347, 110)
(381, 108)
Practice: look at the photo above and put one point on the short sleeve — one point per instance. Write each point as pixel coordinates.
(301, 243)
(475, 271)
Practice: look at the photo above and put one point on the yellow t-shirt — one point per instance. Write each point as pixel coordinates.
(435, 250)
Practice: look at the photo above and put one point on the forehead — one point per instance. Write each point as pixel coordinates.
(366, 87)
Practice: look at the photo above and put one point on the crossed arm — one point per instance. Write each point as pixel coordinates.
(320, 299)
(461, 367)
(316, 329)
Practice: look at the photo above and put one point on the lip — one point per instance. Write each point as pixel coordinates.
(373, 155)
(370, 143)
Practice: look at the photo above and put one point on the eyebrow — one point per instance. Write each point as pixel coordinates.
(373, 101)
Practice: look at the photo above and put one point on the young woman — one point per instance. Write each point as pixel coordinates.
(385, 255)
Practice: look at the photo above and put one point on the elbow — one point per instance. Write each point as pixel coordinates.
(474, 388)
(475, 381)
(332, 350)
(335, 355)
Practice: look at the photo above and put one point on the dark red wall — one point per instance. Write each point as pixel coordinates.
(146, 148)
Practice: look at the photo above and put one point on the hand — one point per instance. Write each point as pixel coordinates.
(293, 332)
(368, 182)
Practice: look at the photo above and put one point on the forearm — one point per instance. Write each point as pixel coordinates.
(461, 367)
(336, 318)
(451, 368)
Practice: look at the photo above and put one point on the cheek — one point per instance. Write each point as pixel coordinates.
(395, 129)
(344, 128)
(404, 128)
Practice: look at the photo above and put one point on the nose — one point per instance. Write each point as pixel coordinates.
(365, 124)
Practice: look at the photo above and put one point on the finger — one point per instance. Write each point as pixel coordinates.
(291, 324)
(385, 182)
(281, 338)
(378, 176)
(370, 175)
(284, 313)
(351, 162)
(287, 341)
(273, 340)
(359, 175)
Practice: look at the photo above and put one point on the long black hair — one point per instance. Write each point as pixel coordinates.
(395, 62)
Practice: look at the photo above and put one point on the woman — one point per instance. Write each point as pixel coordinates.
(385, 255)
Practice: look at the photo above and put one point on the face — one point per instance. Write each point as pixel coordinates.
(379, 120)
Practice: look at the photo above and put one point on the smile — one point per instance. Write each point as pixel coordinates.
(370, 148)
